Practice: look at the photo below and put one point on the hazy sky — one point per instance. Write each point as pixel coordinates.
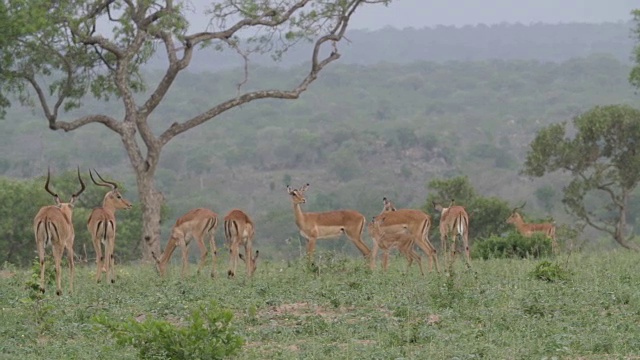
(421, 13)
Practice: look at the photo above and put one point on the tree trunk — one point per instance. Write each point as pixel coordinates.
(620, 232)
(151, 200)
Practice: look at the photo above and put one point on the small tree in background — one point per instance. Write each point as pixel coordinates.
(603, 158)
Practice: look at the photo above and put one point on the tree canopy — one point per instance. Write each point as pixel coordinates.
(603, 159)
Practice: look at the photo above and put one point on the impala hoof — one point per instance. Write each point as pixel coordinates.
(42, 290)
(230, 274)
(113, 281)
(58, 292)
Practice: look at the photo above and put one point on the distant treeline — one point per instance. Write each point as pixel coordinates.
(543, 42)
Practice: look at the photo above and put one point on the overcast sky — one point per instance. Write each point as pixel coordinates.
(421, 13)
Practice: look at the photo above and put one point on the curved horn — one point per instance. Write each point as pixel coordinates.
(46, 185)
(111, 184)
(82, 186)
(520, 207)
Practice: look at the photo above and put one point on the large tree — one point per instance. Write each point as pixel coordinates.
(601, 152)
(65, 51)
(634, 77)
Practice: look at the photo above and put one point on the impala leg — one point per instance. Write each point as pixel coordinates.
(418, 259)
(97, 246)
(108, 255)
(183, 242)
(41, 255)
(311, 247)
(385, 260)
(233, 257)
(248, 253)
(465, 240)
(72, 267)
(203, 251)
(214, 253)
(356, 239)
(374, 254)
(57, 258)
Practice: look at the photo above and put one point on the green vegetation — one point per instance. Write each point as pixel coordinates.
(513, 245)
(207, 335)
(505, 308)
(602, 156)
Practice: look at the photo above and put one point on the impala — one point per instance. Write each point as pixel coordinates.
(411, 221)
(328, 224)
(454, 221)
(387, 205)
(528, 229)
(239, 230)
(53, 226)
(102, 227)
(402, 241)
(196, 223)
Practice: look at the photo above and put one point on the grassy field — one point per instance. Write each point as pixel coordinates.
(342, 310)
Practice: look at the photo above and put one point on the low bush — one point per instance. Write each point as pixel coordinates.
(207, 334)
(513, 245)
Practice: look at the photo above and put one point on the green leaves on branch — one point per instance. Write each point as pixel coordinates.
(603, 158)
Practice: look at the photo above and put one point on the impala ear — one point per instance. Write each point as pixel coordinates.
(289, 189)
(255, 257)
(304, 188)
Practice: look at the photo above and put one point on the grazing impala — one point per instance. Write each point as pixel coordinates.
(102, 227)
(411, 221)
(53, 226)
(239, 230)
(328, 224)
(454, 220)
(528, 229)
(402, 241)
(196, 223)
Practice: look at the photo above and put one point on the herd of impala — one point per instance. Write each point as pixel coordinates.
(393, 228)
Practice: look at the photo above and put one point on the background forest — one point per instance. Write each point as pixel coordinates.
(387, 119)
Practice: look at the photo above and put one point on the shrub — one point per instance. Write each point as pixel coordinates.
(513, 245)
(550, 272)
(207, 335)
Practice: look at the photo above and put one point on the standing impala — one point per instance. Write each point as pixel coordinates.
(411, 221)
(239, 230)
(528, 229)
(403, 241)
(454, 220)
(197, 223)
(53, 225)
(328, 224)
(102, 227)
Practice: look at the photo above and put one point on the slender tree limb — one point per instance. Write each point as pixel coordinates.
(265, 20)
(178, 128)
(105, 120)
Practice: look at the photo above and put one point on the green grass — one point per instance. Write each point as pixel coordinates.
(341, 310)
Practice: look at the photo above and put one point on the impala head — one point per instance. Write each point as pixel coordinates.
(297, 195)
(439, 208)
(387, 205)
(160, 267)
(66, 207)
(252, 262)
(113, 197)
(515, 216)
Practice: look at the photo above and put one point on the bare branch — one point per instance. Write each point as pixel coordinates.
(107, 121)
(317, 64)
(265, 20)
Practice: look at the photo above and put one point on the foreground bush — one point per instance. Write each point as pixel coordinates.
(207, 335)
(513, 245)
